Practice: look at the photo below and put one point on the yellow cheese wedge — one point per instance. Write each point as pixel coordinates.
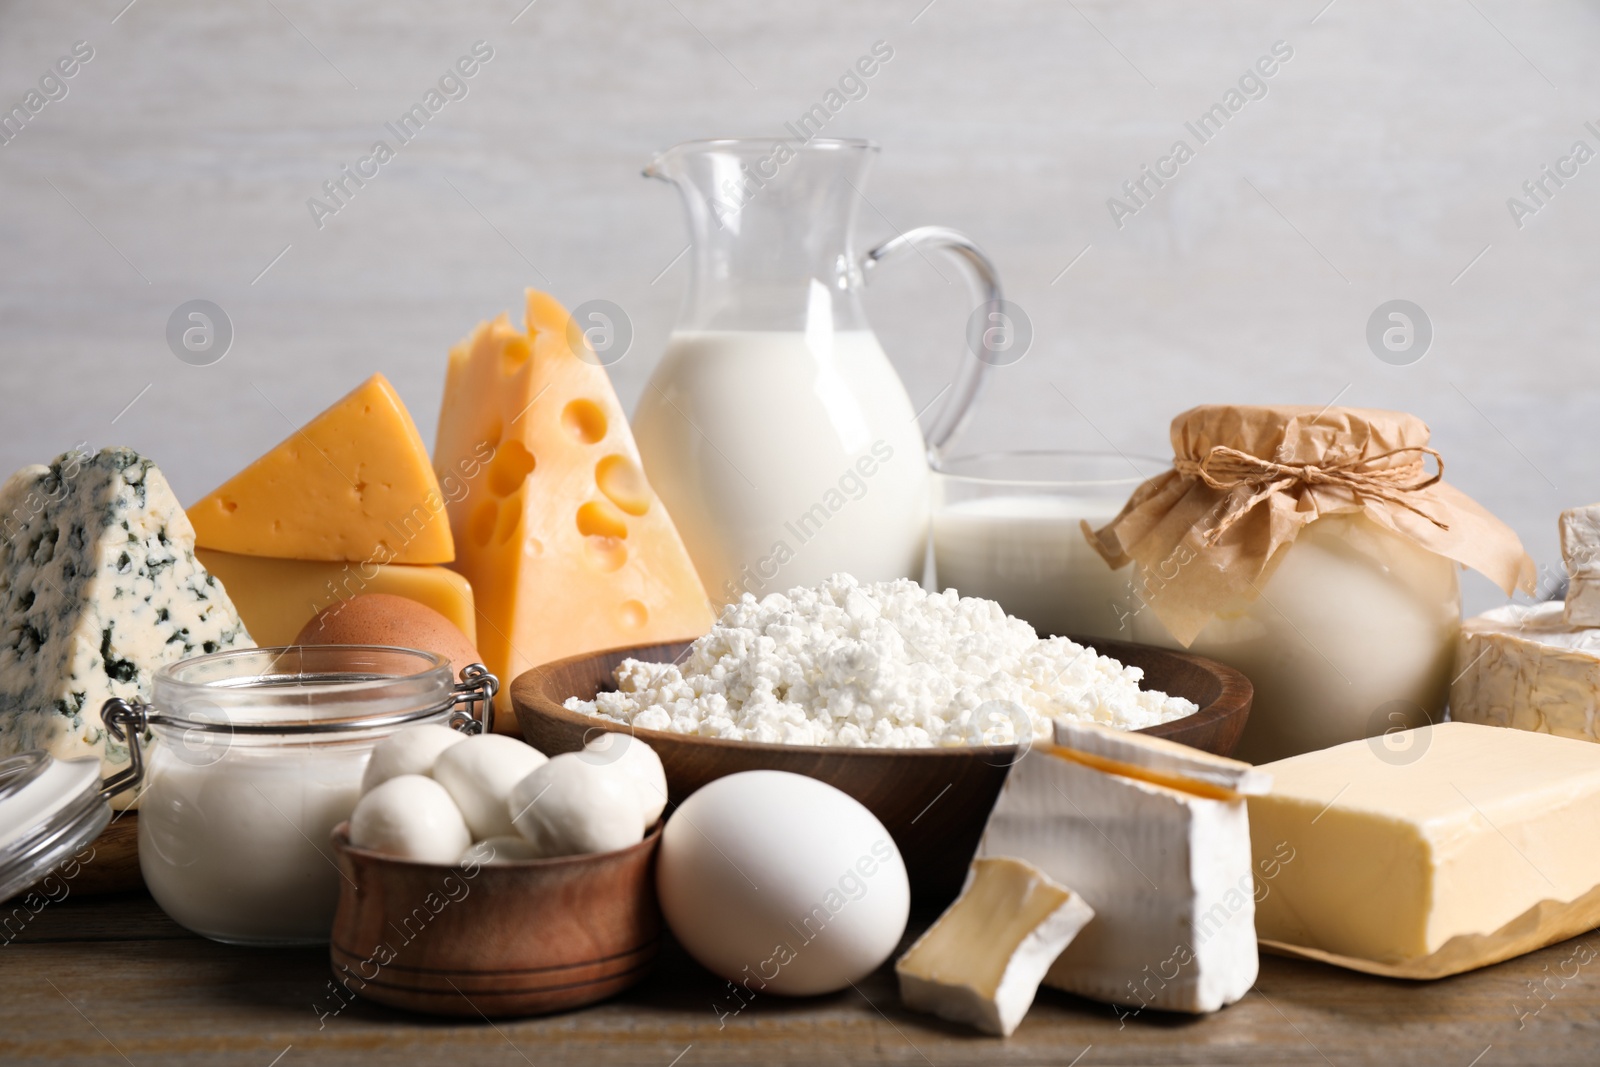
(276, 597)
(354, 484)
(566, 545)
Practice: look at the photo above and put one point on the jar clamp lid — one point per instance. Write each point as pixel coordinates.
(51, 808)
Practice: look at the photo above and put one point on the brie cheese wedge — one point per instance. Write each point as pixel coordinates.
(1525, 667)
(982, 961)
(1580, 548)
(1155, 838)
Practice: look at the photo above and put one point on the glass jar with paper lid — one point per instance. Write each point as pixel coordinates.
(1315, 550)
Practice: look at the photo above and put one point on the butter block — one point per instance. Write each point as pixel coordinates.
(277, 597)
(1441, 832)
(1526, 667)
(982, 961)
(1154, 837)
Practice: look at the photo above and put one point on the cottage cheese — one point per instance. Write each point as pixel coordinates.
(882, 665)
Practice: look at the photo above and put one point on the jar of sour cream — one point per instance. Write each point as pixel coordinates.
(255, 756)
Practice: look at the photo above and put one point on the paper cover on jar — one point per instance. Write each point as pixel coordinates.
(1247, 479)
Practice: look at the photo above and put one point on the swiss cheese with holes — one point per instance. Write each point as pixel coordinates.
(566, 545)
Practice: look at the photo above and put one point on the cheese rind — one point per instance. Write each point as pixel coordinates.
(1525, 667)
(567, 547)
(982, 961)
(1166, 870)
(1400, 844)
(99, 586)
(277, 597)
(353, 484)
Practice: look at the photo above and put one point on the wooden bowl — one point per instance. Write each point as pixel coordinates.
(934, 801)
(523, 938)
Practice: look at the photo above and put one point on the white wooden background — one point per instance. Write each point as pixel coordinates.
(1378, 166)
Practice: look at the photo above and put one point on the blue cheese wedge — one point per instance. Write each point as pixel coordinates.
(99, 586)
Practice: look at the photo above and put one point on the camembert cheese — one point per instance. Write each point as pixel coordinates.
(1402, 843)
(982, 961)
(353, 484)
(1154, 836)
(1524, 666)
(567, 547)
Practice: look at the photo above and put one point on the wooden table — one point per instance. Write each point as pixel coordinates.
(113, 981)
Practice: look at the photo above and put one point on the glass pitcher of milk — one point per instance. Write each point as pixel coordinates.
(774, 428)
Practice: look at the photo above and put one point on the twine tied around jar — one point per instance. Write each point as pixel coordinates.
(1225, 469)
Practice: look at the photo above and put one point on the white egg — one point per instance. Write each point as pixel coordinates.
(412, 817)
(783, 882)
(412, 750)
(641, 763)
(479, 772)
(570, 806)
(497, 850)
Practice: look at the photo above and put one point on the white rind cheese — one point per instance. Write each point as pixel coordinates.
(99, 586)
(982, 961)
(1524, 666)
(1161, 855)
(1580, 548)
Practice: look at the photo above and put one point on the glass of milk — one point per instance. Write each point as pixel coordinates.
(257, 755)
(1007, 526)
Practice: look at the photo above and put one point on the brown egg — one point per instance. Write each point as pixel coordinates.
(385, 619)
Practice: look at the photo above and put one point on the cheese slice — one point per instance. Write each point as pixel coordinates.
(354, 484)
(1580, 548)
(567, 547)
(277, 597)
(99, 586)
(1526, 667)
(982, 961)
(1154, 837)
(1390, 848)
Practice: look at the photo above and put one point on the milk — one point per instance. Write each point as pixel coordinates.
(1029, 553)
(784, 457)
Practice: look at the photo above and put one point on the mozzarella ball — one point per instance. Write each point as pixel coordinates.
(570, 805)
(641, 764)
(777, 874)
(499, 850)
(412, 750)
(479, 772)
(412, 817)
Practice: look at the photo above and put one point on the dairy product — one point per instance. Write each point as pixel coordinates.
(572, 804)
(639, 762)
(1028, 554)
(1448, 831)
(786, 457)
(413, 750)
(1524, 666)
(412, 817)
(1353, 634)
(883, 664)
(353, 484)
(99, 586)
(1580, 548)
(1155, 838)
(277, 597)
(237, 847)
(566, 544)
(982, 961)
(479, 774)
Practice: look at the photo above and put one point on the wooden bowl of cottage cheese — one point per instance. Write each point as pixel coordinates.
(934, 800)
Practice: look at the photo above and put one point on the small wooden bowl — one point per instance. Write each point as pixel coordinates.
(523, 938)
(933, 801)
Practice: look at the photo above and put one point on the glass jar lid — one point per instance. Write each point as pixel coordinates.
(49, 810)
